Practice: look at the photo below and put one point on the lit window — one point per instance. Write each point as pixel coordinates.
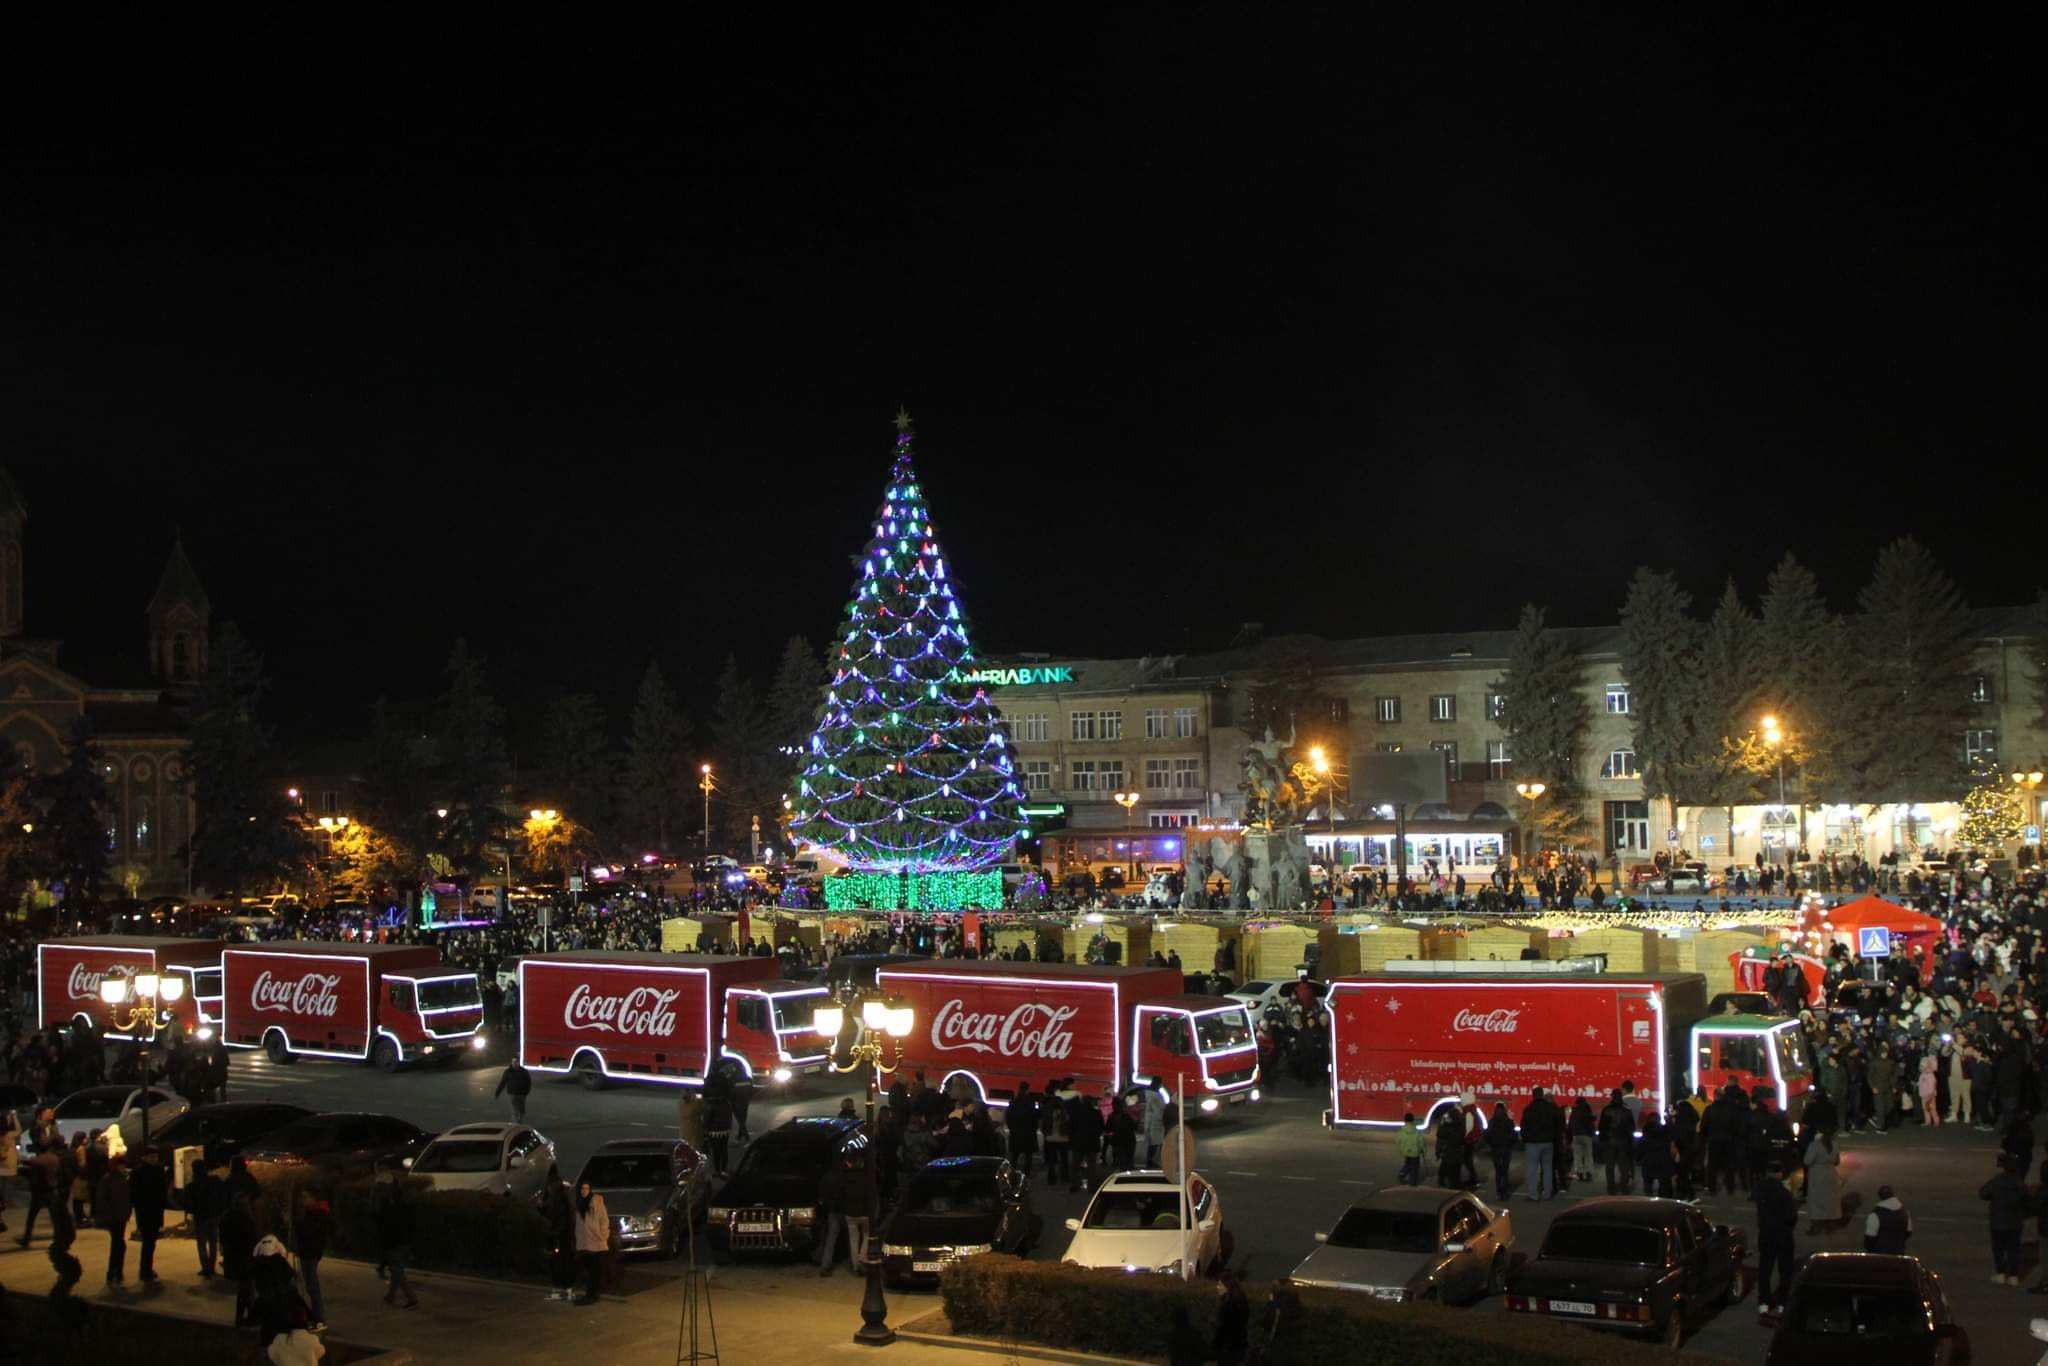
(1621, 764)
(1443, 707)
(1980, 688)
(1980, 746)
(1387, 709)
(1497, 759)
(1496, 706)
(1387, 747)
(1617, 699)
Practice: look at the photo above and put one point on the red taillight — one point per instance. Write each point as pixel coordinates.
(1634, 1313)
(1520, 1302)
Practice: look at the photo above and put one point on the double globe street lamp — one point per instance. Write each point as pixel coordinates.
(136, 1007)
(888, 1023)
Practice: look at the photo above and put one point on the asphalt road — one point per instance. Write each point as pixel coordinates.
(1280, 1177)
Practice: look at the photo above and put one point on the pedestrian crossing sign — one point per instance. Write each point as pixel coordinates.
(1874, 941)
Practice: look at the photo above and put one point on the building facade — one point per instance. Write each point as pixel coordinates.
(138, 729)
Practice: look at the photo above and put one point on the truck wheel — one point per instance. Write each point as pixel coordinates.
(588, 1074)
(277, 1050)
(384, 1056)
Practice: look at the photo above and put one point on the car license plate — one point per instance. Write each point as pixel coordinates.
(757, 1228)
(932, 1267)
(1570, 1307)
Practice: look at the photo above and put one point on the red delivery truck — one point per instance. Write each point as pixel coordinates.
(390, 1004)
(1108, 1027)
(1413, 1042)
(69, 973)
(665, 1017)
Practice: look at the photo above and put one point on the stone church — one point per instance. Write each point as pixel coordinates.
(139, 728)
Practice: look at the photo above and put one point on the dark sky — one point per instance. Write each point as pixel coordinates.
(1202, 319)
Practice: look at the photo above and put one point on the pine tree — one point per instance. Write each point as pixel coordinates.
(658, 773)
(576, 759)
(398, 798)
(474, 772)
(1660, 660)
(77, 808)
(1725, 768)
(1546, 716)
(796, 696)
(907, 769)
(743, 749)
(2037, 652)
(247, 833)
(1919, 654)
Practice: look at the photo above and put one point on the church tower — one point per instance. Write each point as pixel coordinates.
(12, 515)
(178, 617)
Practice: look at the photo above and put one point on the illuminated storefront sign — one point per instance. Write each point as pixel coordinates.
(1009, 678)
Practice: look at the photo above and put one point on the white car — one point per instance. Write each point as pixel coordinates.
(1257, 995)
(1133, 1223)
(499, 1159)
(100, 1107)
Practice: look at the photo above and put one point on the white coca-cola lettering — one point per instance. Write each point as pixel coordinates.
(643, 1010)
(1032, 1030)
(312, 994)
(84, 986)
(1492, 1022)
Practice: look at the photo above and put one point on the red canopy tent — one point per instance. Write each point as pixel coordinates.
(1912, 934)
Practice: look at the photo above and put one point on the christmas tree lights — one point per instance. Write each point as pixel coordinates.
(907, 771)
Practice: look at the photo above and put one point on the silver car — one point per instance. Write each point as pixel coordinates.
(501, 1159)
(654, 1189)
(1410, 1243)
(102, 1107)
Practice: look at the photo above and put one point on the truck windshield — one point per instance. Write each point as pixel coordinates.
(206, 982)
(793, 1013)
(449, 993)
(1791, 1053)
(1224, 1029)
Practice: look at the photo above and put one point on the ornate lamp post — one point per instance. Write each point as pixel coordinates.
(136, 1007)
(707, 787)
(894, 1020)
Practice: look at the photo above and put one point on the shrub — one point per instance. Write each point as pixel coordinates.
(1118, 1313)
(490, 1235)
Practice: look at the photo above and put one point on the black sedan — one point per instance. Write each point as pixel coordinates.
(771, 1203)
(225, 1129)
(1633, 1263)
(1864, 1307)
(341, 1145)
(956, 1207)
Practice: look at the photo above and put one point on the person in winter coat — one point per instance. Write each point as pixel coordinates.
(1777, 1215)
(1084, 1139)
(1585, 1127)
(311, 1232)
(1617, 1135)
(1539, 1129)
(1450, 1148)
(1823, 1183)
(1153, 1120)
(1888, 1226)
(1685, 1150)
(558, 1211)
(397, 1221)
(1123, 1137)
(1411, 1143)
(237, 1244)
(2009, 1204)
(111, 1207)
(593, 1237)
(276, 1301)
(1022, 1122)
(149, 1190)
(1500, 1142)
(207, 1199)
(1656, 1160)
(1052, 1132)
(1884, 1076)
(718, 1120)
(1233, 1321)
(517, 1083)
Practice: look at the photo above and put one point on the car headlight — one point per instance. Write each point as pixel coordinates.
(717, 1214)
(971, 1249)
(633, 1223)
(896, 1249)
(806, 1215)
(1255, 1093)
(1172, 1268)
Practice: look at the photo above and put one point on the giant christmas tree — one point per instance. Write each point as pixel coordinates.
(907, 774)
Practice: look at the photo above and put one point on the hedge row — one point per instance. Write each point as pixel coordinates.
(1121, 1314)
(470, 1231)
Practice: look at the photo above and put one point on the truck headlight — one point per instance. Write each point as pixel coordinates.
(1208, 1104)
(1255, 1093)
(781, 1074)
(204, 1034)
(476, 1041)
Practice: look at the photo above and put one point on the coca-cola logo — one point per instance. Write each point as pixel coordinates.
(1032, 1030)
(312, 994)
(1491, 1022)
(85, 986)
(643, 1010)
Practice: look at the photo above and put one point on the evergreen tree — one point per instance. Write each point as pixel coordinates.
(1918, 652)
(1724, 770)
(247, 833)
(658, 771)
(1660, 660)
(77, 812)
(470, 745)
(907, 768)
(24, 859)
(795, 698)
(1794, 673)
(399, 801)
(2037, 653)
(1546, 716)
(744, 754)
(575, 756)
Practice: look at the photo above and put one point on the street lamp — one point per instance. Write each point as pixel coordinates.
(708, 787)
(882, 1016)
(1327, 780)
(135, 1003)
(1127, 800)
(1529, 793)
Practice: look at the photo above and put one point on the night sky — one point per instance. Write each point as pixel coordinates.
(1350, 330)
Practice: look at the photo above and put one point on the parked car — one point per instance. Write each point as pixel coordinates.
(1263, 992)
(1414, 1243)
(771, 1203)
(341, 1144)
(1133, 1222)
(1858, 1308)
(101, 1107)
(498, 1159)
(956, 1207)
(1634, 1263)
(655, 1189)
(225, 1129)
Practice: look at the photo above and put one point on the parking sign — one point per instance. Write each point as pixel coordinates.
(1874, 941)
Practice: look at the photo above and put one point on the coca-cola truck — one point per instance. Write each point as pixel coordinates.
(389, 1004)
(1413, 1042)
(69, 973)
(673, 1018)
(1109, 1027)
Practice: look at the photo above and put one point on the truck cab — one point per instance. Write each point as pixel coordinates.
(439, 1015)
(1203, 1043)
(1751, 1051)
(768, 1034)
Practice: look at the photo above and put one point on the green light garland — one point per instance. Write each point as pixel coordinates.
(915, 891)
